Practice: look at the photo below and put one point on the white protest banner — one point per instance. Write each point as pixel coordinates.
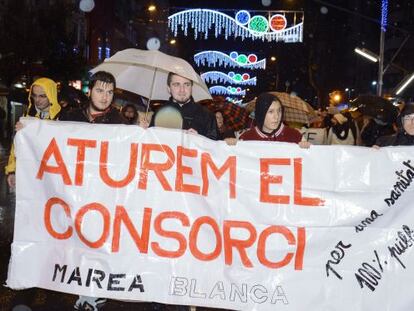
(160, 215)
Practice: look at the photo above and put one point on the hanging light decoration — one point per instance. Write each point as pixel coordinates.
(243, 25)
(234, 59)
(236, 101)
(230, 78)
(229, 90)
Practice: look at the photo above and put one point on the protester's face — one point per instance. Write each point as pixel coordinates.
(129, 113)
(219, 119)
(273, 117)
(101, 96)
(180, 88)
(39, 98)
(408, 123)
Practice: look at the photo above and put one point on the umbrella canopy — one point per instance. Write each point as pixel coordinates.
(145, 73)
(235, 117)
(296, 109)
(376, 107)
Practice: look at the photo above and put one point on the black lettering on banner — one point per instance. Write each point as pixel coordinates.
(137, 283)
(337, 254)
(113, 281)
(403, 242)
(369, 275)
(403, 181)
(367, 221)
(58, 269)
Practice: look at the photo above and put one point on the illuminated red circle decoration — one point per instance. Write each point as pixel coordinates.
(246, 76)
(278, 22)
(252, 58)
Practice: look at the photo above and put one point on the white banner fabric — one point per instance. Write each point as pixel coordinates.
(160, 215)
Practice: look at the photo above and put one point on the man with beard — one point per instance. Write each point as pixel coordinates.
(99, 109)
(196, 118)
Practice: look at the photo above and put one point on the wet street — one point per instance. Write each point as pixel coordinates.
(36, 299)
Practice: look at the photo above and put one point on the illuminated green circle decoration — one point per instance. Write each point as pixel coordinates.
(242, 59)
(258, 23)
(237, 77)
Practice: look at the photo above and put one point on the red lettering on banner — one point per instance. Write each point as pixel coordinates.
(180, 238)
(106, 223)
(230, 165)
(266, 179)
(103, 166)
(48, 224)
(185, 241)
(298, 199)
(185, 170)
(238, 244)
(82, 144)
(158, 168)
(121, 216)
(195, 229)
(53, 150)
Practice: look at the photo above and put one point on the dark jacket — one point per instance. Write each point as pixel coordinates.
(111, 116)
(196, 117)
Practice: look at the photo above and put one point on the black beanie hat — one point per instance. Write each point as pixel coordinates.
(263, 103)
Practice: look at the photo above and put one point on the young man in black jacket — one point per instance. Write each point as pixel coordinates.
(196, 118)
(99, 109)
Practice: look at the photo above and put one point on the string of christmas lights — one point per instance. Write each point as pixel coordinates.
(231, 78)
(243, 25)
(229, 90)
(234, 59)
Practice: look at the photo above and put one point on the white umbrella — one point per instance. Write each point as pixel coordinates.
(145, 73)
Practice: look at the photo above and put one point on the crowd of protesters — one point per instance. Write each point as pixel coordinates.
(341, 128)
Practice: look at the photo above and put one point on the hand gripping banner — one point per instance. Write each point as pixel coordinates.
(160, 215)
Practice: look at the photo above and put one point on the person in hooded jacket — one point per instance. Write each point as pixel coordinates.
(43, 104)
(405, 132)
(269, 123)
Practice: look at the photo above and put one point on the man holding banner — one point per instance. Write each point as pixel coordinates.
(43, 104)
(99, 110)
(196, 119)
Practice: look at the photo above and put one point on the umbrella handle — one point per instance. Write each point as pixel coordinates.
(152, 90)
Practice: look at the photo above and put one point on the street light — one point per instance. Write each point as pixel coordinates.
(367, 54)
(404, 83)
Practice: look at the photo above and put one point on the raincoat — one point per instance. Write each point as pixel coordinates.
(50, 88)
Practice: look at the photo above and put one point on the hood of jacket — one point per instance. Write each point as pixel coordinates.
(50, 88)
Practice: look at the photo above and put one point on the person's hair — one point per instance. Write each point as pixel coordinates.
(125, 108)
(102, 76)
(171, 74)
(263, 103)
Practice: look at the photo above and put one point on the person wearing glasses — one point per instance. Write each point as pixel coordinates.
(405, 133)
